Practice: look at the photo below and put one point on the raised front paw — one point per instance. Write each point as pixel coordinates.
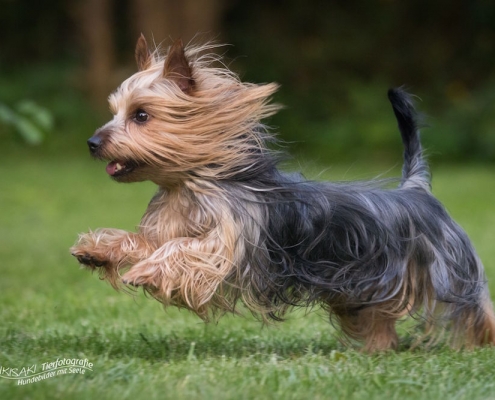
(90, 252)
(89, 260)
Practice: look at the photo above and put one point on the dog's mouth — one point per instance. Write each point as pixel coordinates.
(118, 168)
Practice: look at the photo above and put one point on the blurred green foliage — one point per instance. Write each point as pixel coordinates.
(28, 119)
(50, 98)
(361, 126)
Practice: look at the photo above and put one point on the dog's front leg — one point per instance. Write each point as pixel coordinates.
(110, 250)
(186, 272)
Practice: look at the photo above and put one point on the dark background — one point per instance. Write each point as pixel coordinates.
(335, 61)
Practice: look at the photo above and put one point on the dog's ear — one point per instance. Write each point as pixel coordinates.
(143, 54)
(177, 68)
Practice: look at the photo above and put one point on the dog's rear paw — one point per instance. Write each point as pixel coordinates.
(135, 282)
(133, 278)
(130, 283)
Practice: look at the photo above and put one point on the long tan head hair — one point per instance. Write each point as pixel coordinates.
(202, 120)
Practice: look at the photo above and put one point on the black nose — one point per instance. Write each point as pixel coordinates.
(94, 143)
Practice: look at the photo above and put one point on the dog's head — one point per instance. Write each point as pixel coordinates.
(180, 118)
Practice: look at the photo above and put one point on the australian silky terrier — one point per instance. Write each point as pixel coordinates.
(226, 225)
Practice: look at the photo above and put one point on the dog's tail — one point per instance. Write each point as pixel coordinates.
(415, 172)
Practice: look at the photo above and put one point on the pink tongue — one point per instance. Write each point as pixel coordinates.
(112, 167)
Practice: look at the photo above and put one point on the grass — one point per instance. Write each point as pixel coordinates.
(51, 309)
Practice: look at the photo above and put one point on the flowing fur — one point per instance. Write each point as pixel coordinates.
(227, 226)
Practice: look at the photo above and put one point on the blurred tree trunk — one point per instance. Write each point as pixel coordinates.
(174, 19)
(96, 30)
(159, 20)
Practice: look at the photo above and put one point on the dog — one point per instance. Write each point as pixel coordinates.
(226, 226)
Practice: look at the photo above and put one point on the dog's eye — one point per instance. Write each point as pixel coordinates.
(141, 116)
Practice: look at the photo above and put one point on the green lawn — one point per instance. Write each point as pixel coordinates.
(51, 309)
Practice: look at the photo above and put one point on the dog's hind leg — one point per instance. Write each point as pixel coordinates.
(484, 328)
(475, 326)
(373, 326)
(459, 282)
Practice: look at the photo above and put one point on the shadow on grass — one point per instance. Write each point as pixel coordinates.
(191, 344)
(171, 347)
